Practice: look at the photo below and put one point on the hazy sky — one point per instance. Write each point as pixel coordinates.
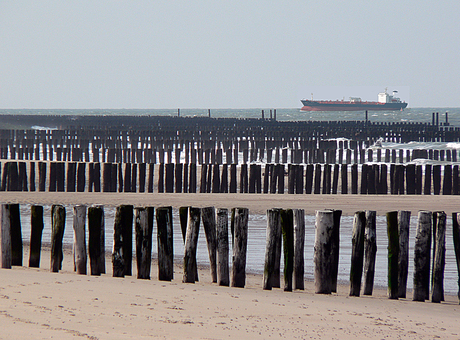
(226, 54)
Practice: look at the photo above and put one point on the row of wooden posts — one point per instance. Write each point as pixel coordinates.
(285, 230)
(326, 154)
(408, 179)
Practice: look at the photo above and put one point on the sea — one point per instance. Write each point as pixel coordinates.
(257, 223)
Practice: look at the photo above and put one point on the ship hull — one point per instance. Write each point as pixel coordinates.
(310, 105)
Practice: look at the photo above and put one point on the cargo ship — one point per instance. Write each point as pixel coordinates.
(385, 102)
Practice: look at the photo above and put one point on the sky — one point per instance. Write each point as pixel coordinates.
(226, 54)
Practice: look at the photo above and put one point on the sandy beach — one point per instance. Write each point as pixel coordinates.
(37, 304)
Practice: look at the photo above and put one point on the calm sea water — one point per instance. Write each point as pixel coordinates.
(408, 115)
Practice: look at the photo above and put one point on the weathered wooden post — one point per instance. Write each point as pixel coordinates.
(161, 176)
(122, 241)
(96, 240)
(427, 182)
(165, 243)
(393, 253)
(144, 229)
(456, 237)
(287, 227)
(79, 239)
(370, 250)
(299, 240)
(273, 225)
(422, 257)
(191, 240)
(324, 226)
(209, 223)
(357, 253)
(437, 294)
(41, 176)
(223, 277)
(354, 179)
(57, 233)
(81, 177)
(16, 235)
(403, 257)
(36, 221)
(5, 235)
(240, 236)
(335, 249)
(317, 180)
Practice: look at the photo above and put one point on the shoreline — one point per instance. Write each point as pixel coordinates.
(256, 203)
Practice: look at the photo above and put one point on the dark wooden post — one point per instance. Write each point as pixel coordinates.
(309, 178)
(403, 256)
(79, 239)
(324, 226)
(233, 176)
(456, 237)
(335, 249)
(150, 181)
(16, 235)
(447, 180)
(223, 277)
(5, 238)
(422, 251)
(32, 176)
(57, 233)
(393, 253)
(287, 227)
(273, 225)
(36, 221)
(96, 240)
(161, 173)
(41, 176)
(354, 179)
(357, 253)
(81, 177)
(165, 243)
(370, 250)
(144, 229)
(203, 181)
(208, 217)
(437, 294)
(123, 241)
(299, 240)
(191, 239)
(436, 179)
(427, 185)
(240, 236)
(317, 180)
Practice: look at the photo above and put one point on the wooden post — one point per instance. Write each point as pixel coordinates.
(96, 240)
(208, 217)
(456, 237)
(273, 225)
(161, 174)
(144, 229)
(240, 236)
(299, 240)
(223, 277)
(57, 233)
(165, 243)
(36, 221)
(437, 294)
(122, 241)
(81, 177)
(287, 227)
(5, 235)
(427, 185)
(403, 257)
(191, 240)
(79, 239)
(335, 249)
(370, 250)
(41, 176)
(422, 250)
(393, 253)
(354, 179)
(324, 226)
(273, 241)
(317, 180)
(16, 235)
(357, 253)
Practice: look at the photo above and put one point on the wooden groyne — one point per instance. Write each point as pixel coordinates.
(366, 179)
(285, 233)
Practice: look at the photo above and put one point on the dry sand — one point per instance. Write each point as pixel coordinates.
(37, 304)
